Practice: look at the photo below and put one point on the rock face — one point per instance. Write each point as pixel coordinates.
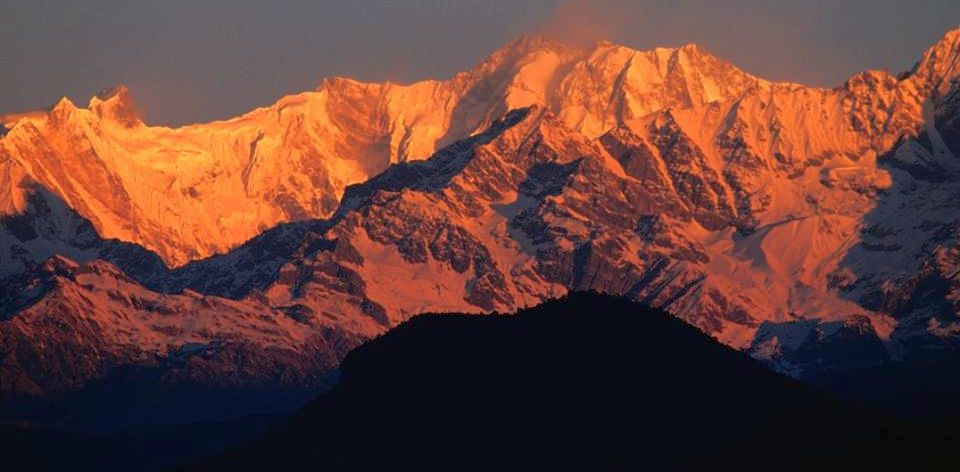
(814, 228)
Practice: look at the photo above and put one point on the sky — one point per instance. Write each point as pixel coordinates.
(195, 61)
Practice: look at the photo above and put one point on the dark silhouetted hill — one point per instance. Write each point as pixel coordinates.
(589, 382)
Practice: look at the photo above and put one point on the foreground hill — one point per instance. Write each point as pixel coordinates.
(588, 382)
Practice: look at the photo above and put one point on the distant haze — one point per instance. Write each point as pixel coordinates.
(190, 61)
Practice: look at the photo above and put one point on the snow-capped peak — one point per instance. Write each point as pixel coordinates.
(525, 44)
(939, 67)
(115, 103)
(63, 105)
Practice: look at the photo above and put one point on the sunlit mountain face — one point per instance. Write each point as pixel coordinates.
(157, 271)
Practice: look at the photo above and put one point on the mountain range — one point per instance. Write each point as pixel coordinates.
(815, 229)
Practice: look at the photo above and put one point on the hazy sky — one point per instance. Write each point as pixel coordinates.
(188, 61)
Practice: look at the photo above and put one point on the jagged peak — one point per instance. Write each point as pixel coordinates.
(341, 83)
(62, 105)
(512, 51)
(64, 267)
(606, 46)
(519, 48)
(690, 47)
(116, 103)
(686, 58)
(525, 44)
(695, 51)
(952, 36)
(337, 81)
(101, 267)
(940, 64)
(62, 111)
(119, 91)
(870, 78)
(693, 48)
(59, 265)
(945, 49)
(621, 132)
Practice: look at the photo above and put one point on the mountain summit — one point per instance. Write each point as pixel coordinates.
(115, 103)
